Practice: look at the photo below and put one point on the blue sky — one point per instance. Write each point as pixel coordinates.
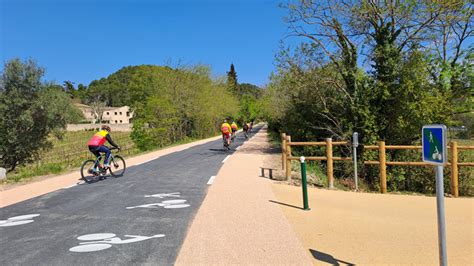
(83, 40)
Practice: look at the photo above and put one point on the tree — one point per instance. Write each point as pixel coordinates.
(98, 108)
(69, 89)
(29, 112)
(232, 79)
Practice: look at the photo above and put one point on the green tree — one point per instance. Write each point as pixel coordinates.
(29, 112)
(232, 79)
(170, 104)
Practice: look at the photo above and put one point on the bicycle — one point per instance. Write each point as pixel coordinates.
(226, 144)
(116, 168)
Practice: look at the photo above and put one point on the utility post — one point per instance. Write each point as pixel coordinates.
(304, 184)
(355, 144)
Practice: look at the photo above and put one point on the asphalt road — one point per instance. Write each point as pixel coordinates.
(140, 218)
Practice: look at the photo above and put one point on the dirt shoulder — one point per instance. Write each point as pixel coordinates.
(238, 221)
(368, 228)
(11, 194)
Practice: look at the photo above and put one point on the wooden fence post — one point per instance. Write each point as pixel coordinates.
(283, 150)
(454, 169)
(330, 163)
(288, 161)
(383, 167)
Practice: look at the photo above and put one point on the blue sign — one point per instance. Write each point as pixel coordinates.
(434, 144)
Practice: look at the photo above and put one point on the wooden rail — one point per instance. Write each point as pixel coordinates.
(382, 162)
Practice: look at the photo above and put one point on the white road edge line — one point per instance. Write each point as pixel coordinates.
(238, 148)
(225, 159)
(211, 180)
(70, 186)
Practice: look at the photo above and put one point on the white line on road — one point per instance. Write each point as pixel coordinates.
(211, 180)
(238, 148)
(226, 158)
(70, 186)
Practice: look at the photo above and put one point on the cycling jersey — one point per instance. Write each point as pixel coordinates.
(99, 139)
(234, 126)
(226, 128)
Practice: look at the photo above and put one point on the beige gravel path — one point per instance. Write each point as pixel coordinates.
(12, 194)
(375, 229)
(238, 222)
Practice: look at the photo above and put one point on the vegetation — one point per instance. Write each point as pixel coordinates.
(169, 104)
(30, 111)
(379, 68)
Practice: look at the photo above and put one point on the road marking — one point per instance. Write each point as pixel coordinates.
(238, 148)
(105, 241)
(18, 220)
(211, 180)
(226, 158)
(70, 186)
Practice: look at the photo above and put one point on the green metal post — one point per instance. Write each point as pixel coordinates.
(304, 184)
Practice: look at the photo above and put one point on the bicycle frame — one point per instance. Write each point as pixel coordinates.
(111, 159)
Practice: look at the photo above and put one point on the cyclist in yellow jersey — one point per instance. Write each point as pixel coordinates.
(226, 130)
(234, 129)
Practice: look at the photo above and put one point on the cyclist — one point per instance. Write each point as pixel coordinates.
(234, 129)
(246, 129)
(226, 130)
(96, 145)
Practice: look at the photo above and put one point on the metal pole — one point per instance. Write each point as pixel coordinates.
(304, 184)
(441, 222)
(355, 143)
(355, 168)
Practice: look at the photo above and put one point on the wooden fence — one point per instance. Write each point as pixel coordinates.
(287, 157)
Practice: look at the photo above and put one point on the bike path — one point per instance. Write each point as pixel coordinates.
(140, 218)
(240, 220)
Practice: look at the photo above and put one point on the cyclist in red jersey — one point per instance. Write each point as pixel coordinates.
(96, 144)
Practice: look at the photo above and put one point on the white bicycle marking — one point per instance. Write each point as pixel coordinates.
(106, 240)
(164, 195)
(90, 248)
(18, 220)
(23, 217)
(167, 204)
(92, 237)
(177, 206)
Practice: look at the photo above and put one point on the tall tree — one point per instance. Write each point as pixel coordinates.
(69, 89)
(232, 79)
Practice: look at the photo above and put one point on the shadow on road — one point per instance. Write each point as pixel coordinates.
(284, 204)
(328, 258)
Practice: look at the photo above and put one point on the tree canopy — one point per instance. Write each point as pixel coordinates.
(29, 111)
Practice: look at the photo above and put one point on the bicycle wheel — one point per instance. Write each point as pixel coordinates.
(86, 170)
(117, 166)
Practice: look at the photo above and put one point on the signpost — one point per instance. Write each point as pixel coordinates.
(435, 152)
(355, 144)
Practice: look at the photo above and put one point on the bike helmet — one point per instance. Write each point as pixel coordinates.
(105, 127)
